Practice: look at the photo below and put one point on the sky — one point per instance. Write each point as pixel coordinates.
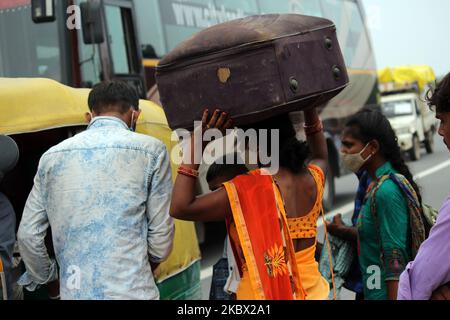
(410, 32)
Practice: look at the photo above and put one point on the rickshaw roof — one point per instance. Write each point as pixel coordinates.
(37, 104)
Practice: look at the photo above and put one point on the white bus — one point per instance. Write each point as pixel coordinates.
(163, 24)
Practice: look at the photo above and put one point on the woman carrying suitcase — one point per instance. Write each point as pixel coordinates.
(271, 219)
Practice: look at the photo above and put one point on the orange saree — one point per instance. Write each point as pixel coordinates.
(260, 239)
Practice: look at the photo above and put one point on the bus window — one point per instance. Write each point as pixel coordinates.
(358, 43)
(182, 19)
(335, 11)
(27, 49)
(351, 31)
(306, 7)
(269, 6)
(247, 7)
(150, 26)
(116, 35)
(90, 66)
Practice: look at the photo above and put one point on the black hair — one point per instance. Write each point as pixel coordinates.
(224, 170)
(439, 97)
(113, 96)
(370, 124)
(293, 152)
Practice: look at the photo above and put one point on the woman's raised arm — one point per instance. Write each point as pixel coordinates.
(316, 139)
(185, 205)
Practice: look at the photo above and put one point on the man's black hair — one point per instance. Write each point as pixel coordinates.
(224, 170)
(439, 98)
(113, 96)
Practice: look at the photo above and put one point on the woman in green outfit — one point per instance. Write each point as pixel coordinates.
(384, 235)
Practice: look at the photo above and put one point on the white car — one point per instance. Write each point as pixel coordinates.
(413, 122)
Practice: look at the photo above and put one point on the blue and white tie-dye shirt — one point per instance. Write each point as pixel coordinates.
(105, 194)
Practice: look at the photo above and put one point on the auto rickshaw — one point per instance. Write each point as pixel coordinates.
(40, 113)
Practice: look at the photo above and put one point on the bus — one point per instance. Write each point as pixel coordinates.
(74, 42)
(135, 34)
(82, 42)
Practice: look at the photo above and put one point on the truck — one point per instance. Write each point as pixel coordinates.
(403, 91)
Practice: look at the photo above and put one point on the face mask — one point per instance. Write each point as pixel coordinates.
(354, 162)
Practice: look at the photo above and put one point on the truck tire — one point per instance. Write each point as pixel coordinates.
(329, 191)
(414, 153)
(429, 142)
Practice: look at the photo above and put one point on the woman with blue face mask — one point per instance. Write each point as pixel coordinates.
(384, 247)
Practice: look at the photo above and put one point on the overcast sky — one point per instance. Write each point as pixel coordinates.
(410, 32)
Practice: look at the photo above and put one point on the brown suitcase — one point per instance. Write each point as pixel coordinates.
(253, 68)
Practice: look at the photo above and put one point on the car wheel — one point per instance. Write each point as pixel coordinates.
(429, 142)
(414, 153)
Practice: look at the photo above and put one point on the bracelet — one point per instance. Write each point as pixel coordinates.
(315, 125)
(311, 133)
(315, 128)
(188, 172)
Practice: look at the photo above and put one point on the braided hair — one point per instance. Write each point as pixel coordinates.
(370, 124)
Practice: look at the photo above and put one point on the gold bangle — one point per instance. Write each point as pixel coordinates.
(315, 125)
(316, 128)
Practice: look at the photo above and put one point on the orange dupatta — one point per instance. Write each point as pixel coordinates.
(261, 224)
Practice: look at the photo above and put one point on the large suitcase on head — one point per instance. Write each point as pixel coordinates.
(254, 68)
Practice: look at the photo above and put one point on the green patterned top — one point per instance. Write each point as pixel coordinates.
(385, 250)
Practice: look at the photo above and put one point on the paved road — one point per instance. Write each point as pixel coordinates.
(432, 173)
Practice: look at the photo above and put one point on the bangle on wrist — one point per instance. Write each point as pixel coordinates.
(188, 172)
(312, 125)
(314, 129)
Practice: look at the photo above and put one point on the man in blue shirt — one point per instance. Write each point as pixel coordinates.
(105, 193)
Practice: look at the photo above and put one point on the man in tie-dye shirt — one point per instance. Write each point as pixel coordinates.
(105, 193)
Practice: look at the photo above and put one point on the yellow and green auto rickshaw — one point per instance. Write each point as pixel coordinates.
(40, 113)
